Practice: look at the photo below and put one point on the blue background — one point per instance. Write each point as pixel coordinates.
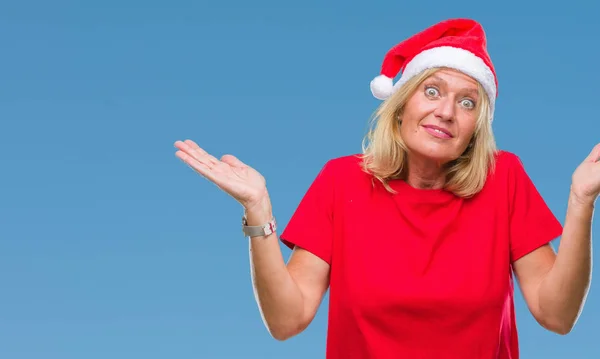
(110, 247)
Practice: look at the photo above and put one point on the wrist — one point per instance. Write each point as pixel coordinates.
(259, 212)
(580, 201)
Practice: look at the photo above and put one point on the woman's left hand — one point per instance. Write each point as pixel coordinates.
(585, 184)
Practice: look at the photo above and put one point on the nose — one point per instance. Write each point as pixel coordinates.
(445, 109)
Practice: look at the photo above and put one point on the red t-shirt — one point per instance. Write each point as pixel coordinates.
(422, 273)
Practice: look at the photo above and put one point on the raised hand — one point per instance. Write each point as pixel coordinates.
(231, 175)
(586, 178)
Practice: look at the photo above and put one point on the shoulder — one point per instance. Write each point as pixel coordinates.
(507, 173)
(344, 171)
(346, 164)
(506, 159)
(507, 164)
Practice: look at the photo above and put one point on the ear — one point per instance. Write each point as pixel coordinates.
(399, 116)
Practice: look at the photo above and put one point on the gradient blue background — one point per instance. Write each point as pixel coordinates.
(110, 247)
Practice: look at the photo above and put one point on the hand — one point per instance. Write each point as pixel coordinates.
(585, 185)
(237, 179)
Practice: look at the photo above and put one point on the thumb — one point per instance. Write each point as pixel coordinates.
(233, 161)
(594, 156)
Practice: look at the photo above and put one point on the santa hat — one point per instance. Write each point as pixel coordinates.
(459, 44)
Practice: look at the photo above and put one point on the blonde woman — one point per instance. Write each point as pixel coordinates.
(418, 237)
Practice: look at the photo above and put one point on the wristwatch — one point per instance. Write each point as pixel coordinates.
(258, 231)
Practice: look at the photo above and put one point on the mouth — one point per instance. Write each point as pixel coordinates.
(438, 131)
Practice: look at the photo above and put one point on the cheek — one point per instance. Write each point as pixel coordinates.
(411, 120)
(467, 131)
(409, 132)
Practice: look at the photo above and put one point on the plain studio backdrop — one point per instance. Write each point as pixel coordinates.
(110, 247)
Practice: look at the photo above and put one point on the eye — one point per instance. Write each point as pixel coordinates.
(467, 103)
(431, 91)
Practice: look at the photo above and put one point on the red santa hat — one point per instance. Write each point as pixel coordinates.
(459, 44)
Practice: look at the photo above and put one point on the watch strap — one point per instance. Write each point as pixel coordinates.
(258, 231)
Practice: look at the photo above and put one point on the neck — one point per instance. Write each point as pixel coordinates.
(425, 174)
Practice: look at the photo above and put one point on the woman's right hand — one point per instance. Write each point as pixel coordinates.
(288, 298)
(231, 175)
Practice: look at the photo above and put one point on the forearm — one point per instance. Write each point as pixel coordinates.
(278, 297)
(563, 291)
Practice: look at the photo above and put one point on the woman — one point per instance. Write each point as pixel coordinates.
(417, 237)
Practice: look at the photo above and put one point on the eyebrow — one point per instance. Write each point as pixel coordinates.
(471, 91)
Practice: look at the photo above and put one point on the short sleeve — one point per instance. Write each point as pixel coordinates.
(311, 225)
(532, 223)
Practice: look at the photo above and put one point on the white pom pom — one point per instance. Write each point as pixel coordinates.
(382, 87)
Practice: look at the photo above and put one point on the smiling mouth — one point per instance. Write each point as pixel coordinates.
(438, 132)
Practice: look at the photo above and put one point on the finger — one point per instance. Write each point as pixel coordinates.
(196, 152)
(189, 146)
(232, 161)
(200, 151)
(193, 145)
(202, 168)
(595, 154)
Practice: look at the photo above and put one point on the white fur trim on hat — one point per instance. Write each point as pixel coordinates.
(455, 58)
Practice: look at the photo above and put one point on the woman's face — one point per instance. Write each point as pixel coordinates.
(440, 118)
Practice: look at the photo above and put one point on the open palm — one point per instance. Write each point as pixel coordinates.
(231, 175)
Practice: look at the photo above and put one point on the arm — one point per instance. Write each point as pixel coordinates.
(288, 296)
(555, 286)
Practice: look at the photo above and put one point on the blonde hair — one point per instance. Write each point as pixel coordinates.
(385, 155)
